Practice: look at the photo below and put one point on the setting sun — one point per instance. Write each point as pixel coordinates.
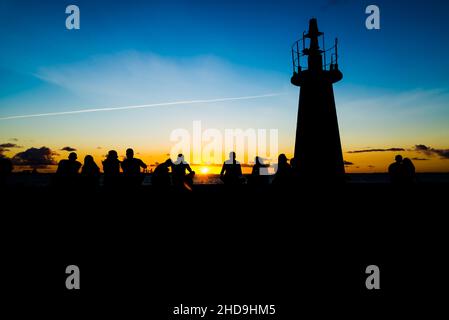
(204, 170)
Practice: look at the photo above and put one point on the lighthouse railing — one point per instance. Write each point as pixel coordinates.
(332, 57)
(299, 58)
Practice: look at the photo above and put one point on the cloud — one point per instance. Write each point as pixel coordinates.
(422, 147)
(35, 157)
(9, 145)
(4, 147)
(429, 151)
(348, 163)
(420, 159)
(376, 150)
(69, 149)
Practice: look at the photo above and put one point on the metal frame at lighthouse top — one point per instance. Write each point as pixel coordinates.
(299, 52)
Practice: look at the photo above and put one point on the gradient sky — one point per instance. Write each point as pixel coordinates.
(394, 93)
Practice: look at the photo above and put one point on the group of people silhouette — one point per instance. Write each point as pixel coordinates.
(402, 171)
(67, 173)
(179, 174)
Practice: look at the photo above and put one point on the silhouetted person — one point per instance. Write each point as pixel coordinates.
(161, 175)
(67, 172)
(90, 173)
(5, 170)
(395, 170)
(111, 169)
(180, 178)
(408, 171)
(131, 169)
(294, 166)
(231, 172)
(70, 166)
(258, 173)
(284, 174)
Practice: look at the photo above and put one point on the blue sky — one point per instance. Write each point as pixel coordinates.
(394, 90)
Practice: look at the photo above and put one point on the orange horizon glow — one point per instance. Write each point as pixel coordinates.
(370, 162)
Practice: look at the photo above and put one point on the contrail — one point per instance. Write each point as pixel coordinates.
(138, 106)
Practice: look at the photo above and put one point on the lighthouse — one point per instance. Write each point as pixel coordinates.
(318, 155)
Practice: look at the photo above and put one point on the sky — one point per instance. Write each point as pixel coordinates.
(226, 64)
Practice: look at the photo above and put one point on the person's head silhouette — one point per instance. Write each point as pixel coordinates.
(129, 153)
(282, 159)
(73, 156)
(180, 159)
(88, 159)
(398, 158)
(112, 154)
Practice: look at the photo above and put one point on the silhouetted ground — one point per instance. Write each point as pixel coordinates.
(305, 249)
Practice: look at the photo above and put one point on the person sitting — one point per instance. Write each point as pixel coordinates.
(284, 174)
(231, 172)
(67, 171)
(180, 178)
(408, 171)
(90, 173)
(131, 169)
(111, 169)
(395, 170)
(259, 173)
(161, 175)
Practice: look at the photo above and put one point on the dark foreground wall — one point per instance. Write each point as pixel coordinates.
(304, 250)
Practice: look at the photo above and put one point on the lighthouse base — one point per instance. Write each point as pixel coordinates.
(318, 154)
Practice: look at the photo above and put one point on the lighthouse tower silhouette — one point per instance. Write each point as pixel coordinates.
(318, 155)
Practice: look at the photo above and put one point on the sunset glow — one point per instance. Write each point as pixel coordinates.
(57, 84)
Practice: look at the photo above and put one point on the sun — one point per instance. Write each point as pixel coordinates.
(204, 170)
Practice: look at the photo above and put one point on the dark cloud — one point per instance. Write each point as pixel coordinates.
(9, 145)
(444, 154)
(14, 139)
(376, 150)
(420, 159)
(348, 163)
(429, 151)
(35, 157)
(421, 147)
(69, 149)
(4, 147)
